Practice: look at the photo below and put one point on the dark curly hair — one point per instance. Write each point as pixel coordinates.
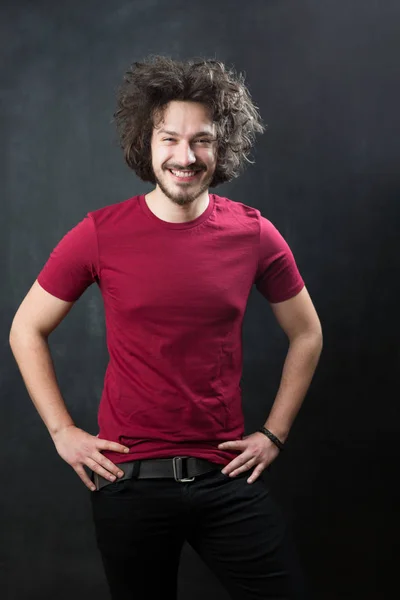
(150, 85)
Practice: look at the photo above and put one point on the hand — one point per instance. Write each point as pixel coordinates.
(78, 448)
(256, 449)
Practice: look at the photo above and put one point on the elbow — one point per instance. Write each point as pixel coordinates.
(318, 341)
(12, 334)
(317, 337)
(15, 330)
(315, 333)
(313, 337)
(20, 333)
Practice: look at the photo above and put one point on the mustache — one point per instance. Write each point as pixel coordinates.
(180, 168)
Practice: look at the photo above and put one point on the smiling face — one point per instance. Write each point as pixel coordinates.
(183, 151)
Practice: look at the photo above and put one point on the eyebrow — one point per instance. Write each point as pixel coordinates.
(207, 133)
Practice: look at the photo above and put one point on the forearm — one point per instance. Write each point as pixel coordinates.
(298, 370)
(32, 354)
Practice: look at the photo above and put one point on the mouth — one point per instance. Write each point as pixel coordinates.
(184, 176)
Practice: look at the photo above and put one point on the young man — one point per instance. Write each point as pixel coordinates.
(175, 268)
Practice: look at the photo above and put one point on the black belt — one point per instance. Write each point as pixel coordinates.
(180, 468)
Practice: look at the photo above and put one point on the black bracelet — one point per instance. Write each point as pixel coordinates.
(272, 437)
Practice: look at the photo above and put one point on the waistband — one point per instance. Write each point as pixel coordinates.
(180, 468)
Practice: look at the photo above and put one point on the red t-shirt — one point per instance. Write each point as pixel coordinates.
(174, 297)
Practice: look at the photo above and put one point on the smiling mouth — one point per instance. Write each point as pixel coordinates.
(188, 175)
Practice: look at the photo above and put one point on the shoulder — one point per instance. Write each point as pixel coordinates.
(251, 218)
(112, 214)
(246, 215)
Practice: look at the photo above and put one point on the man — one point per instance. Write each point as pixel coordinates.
(175, 268)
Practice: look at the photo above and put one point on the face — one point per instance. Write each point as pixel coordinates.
(183, 151)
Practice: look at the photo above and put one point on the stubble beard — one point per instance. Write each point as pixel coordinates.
(184, 196)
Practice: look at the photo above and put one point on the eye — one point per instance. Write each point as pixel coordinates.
(199, 141)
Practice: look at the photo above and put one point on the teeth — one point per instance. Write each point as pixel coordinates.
(183, 173)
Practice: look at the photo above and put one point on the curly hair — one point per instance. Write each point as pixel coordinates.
(150, 85)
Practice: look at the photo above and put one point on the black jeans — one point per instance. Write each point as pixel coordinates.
(234, 526)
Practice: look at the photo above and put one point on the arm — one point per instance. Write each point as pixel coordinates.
(38, 315)
(299, 320)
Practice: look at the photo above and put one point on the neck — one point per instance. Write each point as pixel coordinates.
(166, 209)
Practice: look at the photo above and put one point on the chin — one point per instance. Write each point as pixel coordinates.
(181, 199)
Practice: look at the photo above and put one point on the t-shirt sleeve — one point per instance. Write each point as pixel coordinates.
(73, 264)
(277, 277)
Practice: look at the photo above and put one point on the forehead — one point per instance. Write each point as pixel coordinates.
(185, 118)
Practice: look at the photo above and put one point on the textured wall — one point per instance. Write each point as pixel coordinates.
(325, 76)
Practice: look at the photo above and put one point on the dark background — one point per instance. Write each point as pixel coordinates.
(325, 75)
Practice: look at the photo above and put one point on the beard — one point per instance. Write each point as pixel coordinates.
(184, 193)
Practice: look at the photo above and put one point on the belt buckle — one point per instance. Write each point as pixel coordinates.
(177, 466)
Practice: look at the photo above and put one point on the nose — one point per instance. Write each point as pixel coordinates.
(184, 154)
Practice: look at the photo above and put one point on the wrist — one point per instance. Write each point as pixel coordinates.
(279, 443)
(281, 432)
(56, 430)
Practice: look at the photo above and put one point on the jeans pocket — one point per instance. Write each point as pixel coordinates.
(115, 488)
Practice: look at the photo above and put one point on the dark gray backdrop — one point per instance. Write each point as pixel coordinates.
(325, 76)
